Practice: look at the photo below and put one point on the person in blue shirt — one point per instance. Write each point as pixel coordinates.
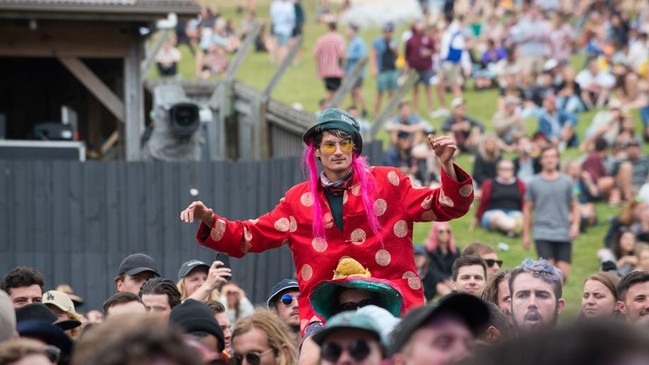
(556, 125)
(356, 50)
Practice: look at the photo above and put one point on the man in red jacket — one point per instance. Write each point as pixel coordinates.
(350, 209)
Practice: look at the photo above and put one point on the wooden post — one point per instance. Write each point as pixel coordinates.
(259, 108)
(348, 83)
(236, 61)
(96, 86)
(146, 64)
(134, 99)
(398, 95)
(222, 97)
(282, 68)
(94, 124)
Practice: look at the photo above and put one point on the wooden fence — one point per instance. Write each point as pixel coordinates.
(75, 222)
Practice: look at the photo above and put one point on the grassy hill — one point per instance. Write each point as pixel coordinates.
(301, 85)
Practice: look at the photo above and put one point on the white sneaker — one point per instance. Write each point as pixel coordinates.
(439, 113)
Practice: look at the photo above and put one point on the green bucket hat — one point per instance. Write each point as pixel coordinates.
(388, 296)
(334, 118)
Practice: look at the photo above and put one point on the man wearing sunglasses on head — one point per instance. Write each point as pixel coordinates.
(349, 209)
(283, 300)
(487, 253)
(351, 338)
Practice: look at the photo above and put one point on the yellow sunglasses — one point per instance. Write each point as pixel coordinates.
(346, 146)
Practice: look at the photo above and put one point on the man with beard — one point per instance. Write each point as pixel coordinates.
(536, 295)
(283, 300)
(633, 295)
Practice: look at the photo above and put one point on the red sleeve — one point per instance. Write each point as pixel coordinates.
(452, 200)
(236, 238)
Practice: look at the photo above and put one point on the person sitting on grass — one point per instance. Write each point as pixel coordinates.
(501, 206)
(622, 255)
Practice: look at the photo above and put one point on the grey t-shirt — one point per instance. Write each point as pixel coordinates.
(552, 207)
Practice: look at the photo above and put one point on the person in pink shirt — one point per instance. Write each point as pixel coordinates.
(329, 53)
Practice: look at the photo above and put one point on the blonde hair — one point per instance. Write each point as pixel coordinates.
(277, 334)
(76, 332)
(214, 294)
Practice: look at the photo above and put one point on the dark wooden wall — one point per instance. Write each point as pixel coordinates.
(75, 222)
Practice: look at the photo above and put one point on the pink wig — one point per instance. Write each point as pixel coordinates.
(432, 242)
(361, 172)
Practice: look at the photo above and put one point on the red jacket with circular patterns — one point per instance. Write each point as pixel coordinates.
(398, 204)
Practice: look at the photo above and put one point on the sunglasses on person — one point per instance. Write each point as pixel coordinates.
(288, 299)
(352, 306)
(346, 146)
(359, 350)
(252, 357)
(444, 231)
(491, 262)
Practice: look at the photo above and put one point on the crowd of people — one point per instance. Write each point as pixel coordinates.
(482, 314)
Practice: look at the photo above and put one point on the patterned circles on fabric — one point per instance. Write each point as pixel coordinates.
(218, 230)
(466, 190)
(358, 236)
(306, 272)
(356, 189)
(293, 224)
(427, 203)
(328, 220)
(401, 229)
(428, 216)
(282, 224)
(445, 200)
(307, 199)
(383, 257)
(413, 280)
(380, 206)
(319, 244)
(393, 178)
(247, 235)
(253, 221)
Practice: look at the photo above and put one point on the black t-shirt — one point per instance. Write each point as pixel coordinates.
(389, 58)
(505, 197)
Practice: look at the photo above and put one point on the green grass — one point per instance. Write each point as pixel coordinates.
(301, 85)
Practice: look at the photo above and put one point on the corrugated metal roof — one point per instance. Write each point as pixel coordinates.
(100, 7)
(101, 2)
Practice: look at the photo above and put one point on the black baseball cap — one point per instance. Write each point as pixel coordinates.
(136, 263)
(190, 265)
(471, 309)
(194, 316)
(40, 312)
